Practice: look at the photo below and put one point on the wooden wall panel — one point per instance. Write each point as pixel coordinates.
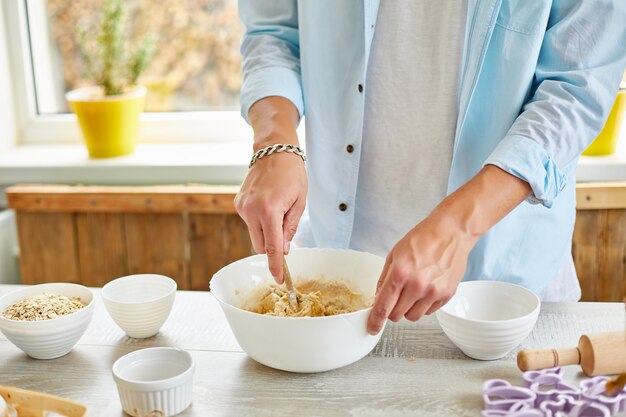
(588, 250)
(599, 249)
(215, 241)
(102, 248)
(48, 250)
(156, 244)
(615, 278)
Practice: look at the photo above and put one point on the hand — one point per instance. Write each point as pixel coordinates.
(424, 268)
(421, 272)
(271, 202)
(273, 195)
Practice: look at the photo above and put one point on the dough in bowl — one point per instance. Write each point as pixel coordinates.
(316, 298)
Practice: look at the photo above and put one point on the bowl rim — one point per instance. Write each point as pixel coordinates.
(157, 384)
(118, 281)
(319, 318)
(513, 320)
(10, 322)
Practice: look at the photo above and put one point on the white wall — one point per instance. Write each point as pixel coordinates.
(9, 270)
(8, 128)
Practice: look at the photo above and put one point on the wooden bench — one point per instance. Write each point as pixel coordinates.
(599, 242)
(92, 234)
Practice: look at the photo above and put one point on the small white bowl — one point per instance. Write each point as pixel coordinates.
(300, 344)
(488, 319)
(47, 339)
(155, 379)
(140, 304)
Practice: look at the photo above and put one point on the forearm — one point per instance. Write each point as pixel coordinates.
(274, 120)
(483, 201)
(273, 195)
(423, 269)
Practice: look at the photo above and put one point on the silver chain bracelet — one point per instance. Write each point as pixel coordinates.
(277, 148)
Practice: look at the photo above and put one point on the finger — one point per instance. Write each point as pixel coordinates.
(442, 302)
(256, 236)
(290, 222)
(418, 309)
(412, 292)
(383, 274)
(273, 245)
(385, 301)
(254, 228)
(434, 294)
(435, 306)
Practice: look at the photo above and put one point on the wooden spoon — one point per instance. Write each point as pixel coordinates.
(293, 300)
(614, 386)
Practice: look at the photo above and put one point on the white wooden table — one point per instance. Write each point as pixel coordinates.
(414, 371)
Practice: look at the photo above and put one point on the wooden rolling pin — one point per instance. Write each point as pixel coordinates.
(597, 354)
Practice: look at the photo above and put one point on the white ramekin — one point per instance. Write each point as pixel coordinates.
(155, 380)
(140, 304)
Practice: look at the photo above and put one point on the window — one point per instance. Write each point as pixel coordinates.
(193, 80)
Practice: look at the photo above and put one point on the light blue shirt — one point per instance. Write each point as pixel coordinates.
(538, 79)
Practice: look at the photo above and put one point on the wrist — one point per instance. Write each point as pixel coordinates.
(275, 137)
(483, 201)
(274, 120)
(463, 215)
(275, 150)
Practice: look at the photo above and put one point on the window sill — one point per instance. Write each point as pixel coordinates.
(602, 168)
(211, 163)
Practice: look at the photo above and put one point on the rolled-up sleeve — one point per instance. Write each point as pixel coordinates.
(580, 65)
(271, 52)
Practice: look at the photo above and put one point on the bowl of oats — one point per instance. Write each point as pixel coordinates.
(46, 320)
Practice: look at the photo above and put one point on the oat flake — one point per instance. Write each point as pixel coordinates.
(43, 307)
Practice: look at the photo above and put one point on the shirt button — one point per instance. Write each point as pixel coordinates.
(360, 88)
(343, 207)
(350, 148)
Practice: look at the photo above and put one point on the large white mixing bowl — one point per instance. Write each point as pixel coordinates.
(300, 344)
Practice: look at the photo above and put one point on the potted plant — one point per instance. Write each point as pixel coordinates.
(108, 112)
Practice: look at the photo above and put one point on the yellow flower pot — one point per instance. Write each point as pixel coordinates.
(109, 124)
(606, 142)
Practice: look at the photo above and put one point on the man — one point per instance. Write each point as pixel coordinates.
(443, 134)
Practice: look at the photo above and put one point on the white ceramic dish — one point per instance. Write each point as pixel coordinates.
(140, 304)
(47, 339)
(488, 319)
(155, 379)
(303, 344)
